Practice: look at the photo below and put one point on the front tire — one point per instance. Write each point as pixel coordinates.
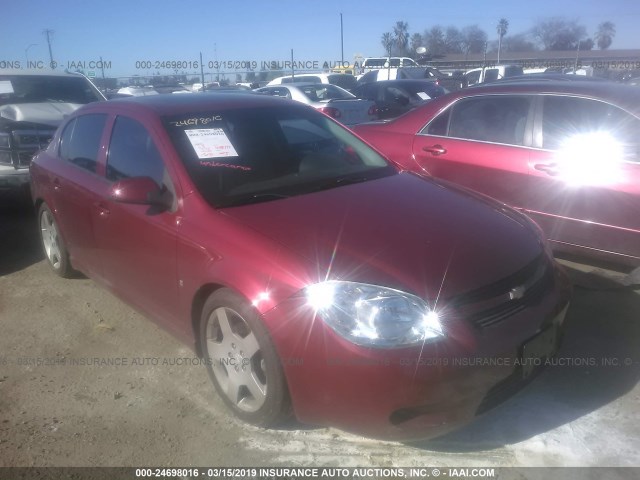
(242, 361)
(53, 245)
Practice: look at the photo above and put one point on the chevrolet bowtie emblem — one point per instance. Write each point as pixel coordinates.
(517, 293)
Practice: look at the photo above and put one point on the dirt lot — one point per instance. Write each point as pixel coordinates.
(153, 411)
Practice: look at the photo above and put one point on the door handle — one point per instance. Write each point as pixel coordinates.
(435, 149)
(103, 210)
(548, 168)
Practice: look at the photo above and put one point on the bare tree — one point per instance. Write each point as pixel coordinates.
(435, 40)
(604, 35)
(453, 40)
(415, 41)
(558, 33)
(474, 39)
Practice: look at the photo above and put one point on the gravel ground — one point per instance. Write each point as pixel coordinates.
(160, 411)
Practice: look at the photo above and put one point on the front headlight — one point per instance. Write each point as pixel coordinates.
(376, 316)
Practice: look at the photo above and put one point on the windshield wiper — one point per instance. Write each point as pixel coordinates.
(255, 198)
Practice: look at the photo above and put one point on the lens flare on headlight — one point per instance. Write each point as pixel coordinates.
(320, 295)
(374, 315)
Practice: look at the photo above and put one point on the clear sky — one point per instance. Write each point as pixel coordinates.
(126, 32)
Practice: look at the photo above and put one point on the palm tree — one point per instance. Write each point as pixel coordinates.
(401, 36)
(503, 26)
(604, 35)
(387, 42)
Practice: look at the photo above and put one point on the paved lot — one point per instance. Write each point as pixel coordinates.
(154, 411)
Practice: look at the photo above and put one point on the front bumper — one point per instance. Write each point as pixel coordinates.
(410, 393)
(11, 178)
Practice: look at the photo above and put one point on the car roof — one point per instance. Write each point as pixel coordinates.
(625, 96)
(301, 84)
(163, 105)
(425, 81)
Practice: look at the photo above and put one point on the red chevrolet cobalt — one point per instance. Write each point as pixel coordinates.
(312, 276)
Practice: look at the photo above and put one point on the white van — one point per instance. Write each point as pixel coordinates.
(375, 63)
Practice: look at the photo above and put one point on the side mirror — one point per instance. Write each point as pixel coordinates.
(140, 191)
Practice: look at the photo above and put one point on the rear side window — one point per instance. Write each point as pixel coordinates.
(80, 141)
(495, 118)
(132, 153)
(491, 74)
(567, 117)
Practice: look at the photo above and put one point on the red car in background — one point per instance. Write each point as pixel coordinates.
(565, 153)
(311, 275)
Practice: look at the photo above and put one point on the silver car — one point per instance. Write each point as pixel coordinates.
(330, 99)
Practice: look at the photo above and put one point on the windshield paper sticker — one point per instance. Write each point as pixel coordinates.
(6, 86)
(423, 95)
(211, 143)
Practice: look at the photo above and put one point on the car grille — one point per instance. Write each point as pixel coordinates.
(23, 146)
(490, 305)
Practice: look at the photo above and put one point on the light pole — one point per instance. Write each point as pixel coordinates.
(341, 43)
(26, 52)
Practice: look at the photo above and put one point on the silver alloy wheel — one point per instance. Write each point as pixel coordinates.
(237, 362)
(49, 234)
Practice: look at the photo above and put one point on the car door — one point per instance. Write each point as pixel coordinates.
(481, 142)
(585, 175)
(137, 243)
(76, 185)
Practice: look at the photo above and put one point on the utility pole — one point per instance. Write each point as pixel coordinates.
(341, 43)
(48, 32)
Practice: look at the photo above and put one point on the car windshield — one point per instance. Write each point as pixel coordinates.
(431, 89)
(43, 88)
(412, 72)
(343, 80)
(324, 92)
(242, 156)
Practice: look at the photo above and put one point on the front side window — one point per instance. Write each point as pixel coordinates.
(80, 141)
(493, 118)
(242, 156)
(568, 118)
(132, 153)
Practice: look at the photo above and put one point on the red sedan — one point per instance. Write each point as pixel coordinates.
(312, 276)
(565, 153)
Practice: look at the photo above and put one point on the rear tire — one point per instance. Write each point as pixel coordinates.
(242, 361)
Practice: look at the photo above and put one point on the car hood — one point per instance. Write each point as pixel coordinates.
(403, 231)
(45, 113)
